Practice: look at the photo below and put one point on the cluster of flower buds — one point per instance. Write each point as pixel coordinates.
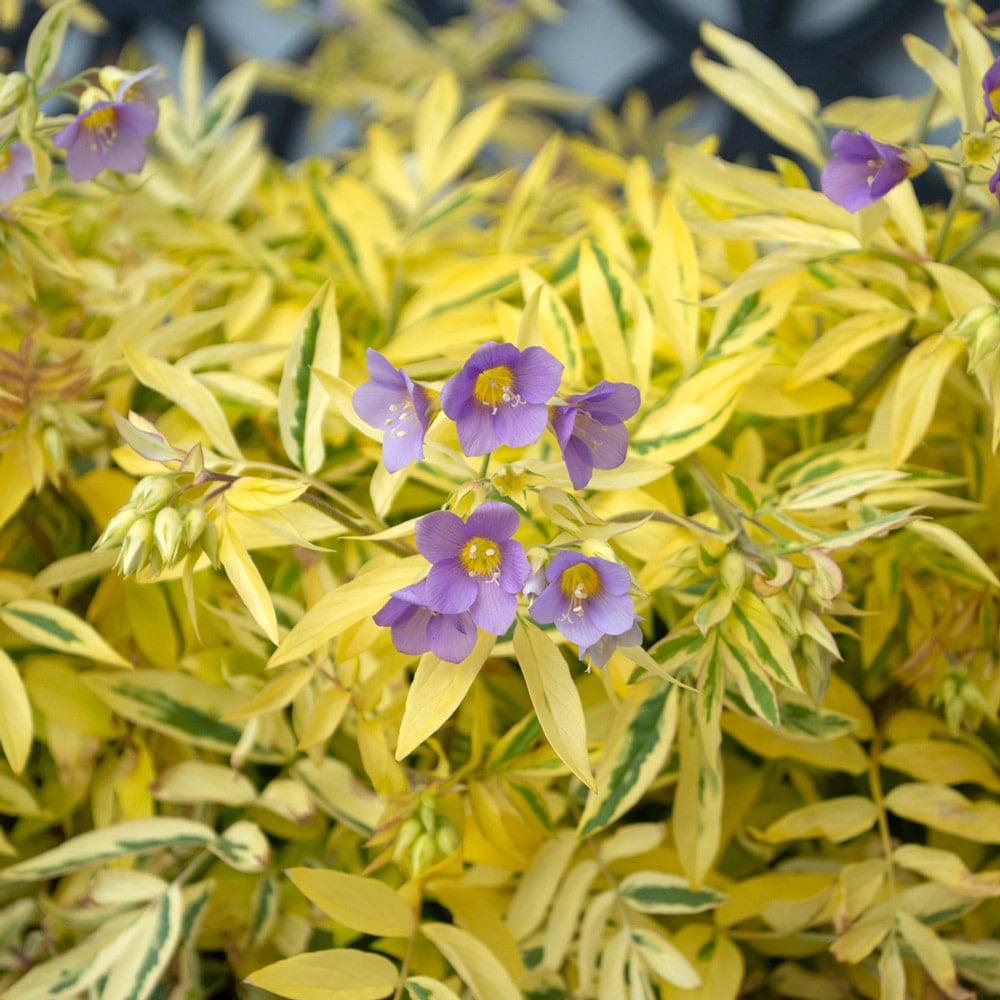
(425, 839)
(155, 529)
(503, 396)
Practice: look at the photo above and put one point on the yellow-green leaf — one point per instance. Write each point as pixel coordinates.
(555, 698)
(942, 808)
(674, 283)
(473, 961)
(57, 628)
(337, 974)
(16, 724)
(246, 579)
(933, 955)
(363, 904)
(952, 542)
(837, 819)
(302, 399)
(660, 892)
(437, 689)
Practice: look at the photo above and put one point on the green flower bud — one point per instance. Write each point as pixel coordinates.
(12, 87)
(210, 542)
(423, 854)
(168, 534)
(136, 546)
(115, 530)
(732, 573)
(194, 525)
(447, 839)
(54, 447)
(408, 833)
(151, 493)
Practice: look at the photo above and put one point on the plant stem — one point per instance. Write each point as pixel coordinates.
(949, 218)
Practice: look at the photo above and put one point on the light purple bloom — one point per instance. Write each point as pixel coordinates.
(15, 165)
(991, 92)
(477, 565)
(147, 86)
(500, 395)
(600, 652)
(590, 429)
(416, 629)
(861, 170)
(995, 181)
(587, 599)
(392, 402)
(108, 134)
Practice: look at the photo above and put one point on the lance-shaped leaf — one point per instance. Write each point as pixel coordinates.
(753, 629)
(837, 819)
(363, 904)
(664, 959)
(635, 753)
(952, 542)
(153, 938)
(144, 439)
(942, 808)
(473, 961)
(184, 390)
(243, 846)
(673, 282)
(554, 697)
(425, 988)
(337, 974)
(57, 628)
(933, 955)
(246, 579)
(345, 606)
(302, 399)
(16, 724)
(119, 840)
(660, 892)
(437, 689)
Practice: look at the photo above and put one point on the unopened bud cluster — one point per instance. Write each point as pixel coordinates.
(156, 529)
(424, 839)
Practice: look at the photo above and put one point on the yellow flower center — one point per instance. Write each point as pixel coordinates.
(493, 387)
(995, 99)
(100, 120)
(481, 557)
(580, 582)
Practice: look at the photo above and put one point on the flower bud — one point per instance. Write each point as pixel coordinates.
(115, 530)
(168, 533)
(423, 854)
(447, 839)
(194, 525)
(12, 87)
(210, 542)
(54, 447)
(136, 546)
(151, 493)
(732, 573)
(408, 833)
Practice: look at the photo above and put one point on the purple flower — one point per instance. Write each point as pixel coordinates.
(991, 91)
(600, 652)
(862, 170)
(591, 431)
(416, 629)
(587, 599)
(108, 134)
(477, 566)
(392, 402)
(15, 165)
(499, 396)
(995, 181)
(147, 86)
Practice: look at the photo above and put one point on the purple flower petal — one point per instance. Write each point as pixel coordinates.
(15, 165)
(549, 606)
(514, 567)
(137, 119)
(450, 589)
(520, 425)
(440, 535)
(494, 520)
(494, 610)
(107, 134)
(991, 91)
(862, 170)
(476, 430)
(600, 652)
(537, 375)
(452, 637)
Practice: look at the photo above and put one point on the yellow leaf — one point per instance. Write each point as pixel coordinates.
(862, 939)
(948, 869)
(436, 691)
(942, 808)
(664, 959)
(718, 962)
(952, 542)
(302, 398)
(916, 392)
(538, 884)
(195, 781)
(942, 761)
(529, 194)
(251, 495)
(338, 974)
(363, 904)
(961, 291)
(749, 898)
(461, 145)
(933, 955)
(274, 695)
(346, 605)
(16, 726)
(554, 697)
(674, 283)
(772, 394)
(16, 478)
(246, 579)
(473, 961)
(837, 819)
(600, 311)
(184, 390)
(56, 628)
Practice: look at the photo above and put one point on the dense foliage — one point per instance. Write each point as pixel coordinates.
(652, 650)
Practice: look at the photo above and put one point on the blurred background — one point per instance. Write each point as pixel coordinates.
(601, 48)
